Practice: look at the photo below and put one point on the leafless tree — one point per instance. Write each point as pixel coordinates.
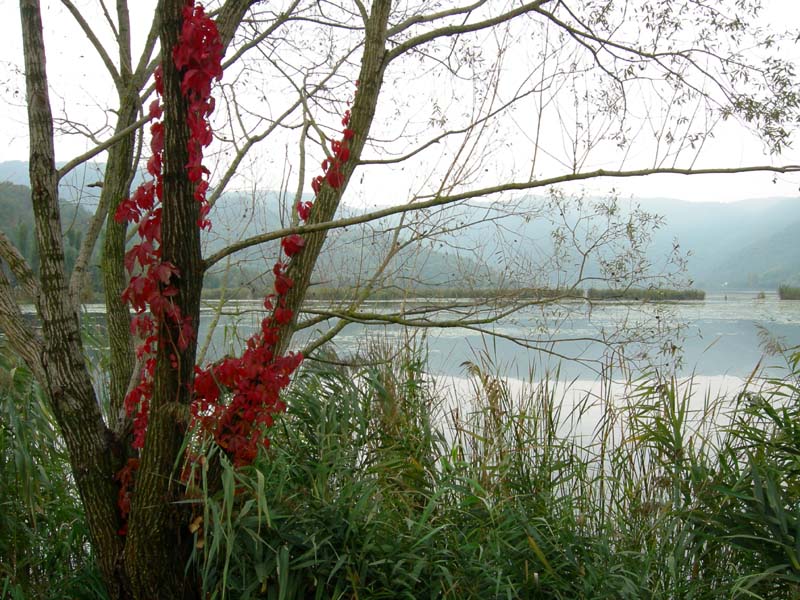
(460, 102)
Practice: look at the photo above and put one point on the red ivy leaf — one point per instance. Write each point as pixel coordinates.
(343, 154)
(155, 111)
(157, 141)
(292, 244)
(304, 210)
(335, 178)
(127, 212)
(154, 165)
(283, 315)
(165, 271)
(283, 284)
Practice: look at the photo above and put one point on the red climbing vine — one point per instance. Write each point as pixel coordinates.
(151, 290)
(254, 380)
(235, 399)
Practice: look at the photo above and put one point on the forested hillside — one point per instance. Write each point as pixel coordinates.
(16, 221)
(739, 245)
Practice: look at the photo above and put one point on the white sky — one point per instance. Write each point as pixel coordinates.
(79, 90)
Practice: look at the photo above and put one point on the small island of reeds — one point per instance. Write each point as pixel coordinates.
(645, 295)
(787, 292)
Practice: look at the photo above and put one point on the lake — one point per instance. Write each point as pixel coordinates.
(720, 343)
(720, 336)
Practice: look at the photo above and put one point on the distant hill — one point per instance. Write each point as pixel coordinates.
(16, 210)
(762, 263)
(351, 254)
(750, 244)
(15, 171)
(349, 258)
(75, 187)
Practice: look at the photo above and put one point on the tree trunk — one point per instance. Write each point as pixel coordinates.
(68, 384)
(118, 319)
(150, 562)
(327, 201)
(159, 542)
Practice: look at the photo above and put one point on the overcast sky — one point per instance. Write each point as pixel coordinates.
(78, 91)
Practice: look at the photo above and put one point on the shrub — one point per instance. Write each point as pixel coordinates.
(44, 540)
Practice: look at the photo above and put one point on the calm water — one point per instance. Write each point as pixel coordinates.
(720, 344)
(721, 336)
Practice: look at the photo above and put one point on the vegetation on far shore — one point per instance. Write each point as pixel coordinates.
(645, 294)
(787, 292)
(428, 292)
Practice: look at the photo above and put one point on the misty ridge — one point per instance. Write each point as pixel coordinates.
(743, 245)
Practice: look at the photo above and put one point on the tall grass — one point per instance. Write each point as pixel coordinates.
(375, 488)
(377, 485)
(44, 539)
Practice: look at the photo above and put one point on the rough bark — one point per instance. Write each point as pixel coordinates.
(67, 381)
(158, 543)
(150, 562)
(373, 65)
(22, 338)
(118, 319)
(116, 186)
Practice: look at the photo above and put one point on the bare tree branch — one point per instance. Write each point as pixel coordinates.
(253, 140)
(452, 30)
(101, 51)
(19, 266)
(364, 293)
(22, 337)
(480, 193)
(124, 39)
(146, 66)
(250, 44)
(419, 19)
(89, 155)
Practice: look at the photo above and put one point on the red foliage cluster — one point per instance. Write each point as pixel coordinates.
(254, 381)
(234, 400)
(199, 56)
(151, 289)
(332, 166)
